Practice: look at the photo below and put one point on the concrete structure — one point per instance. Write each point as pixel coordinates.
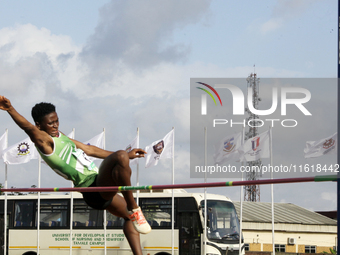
(297, 230)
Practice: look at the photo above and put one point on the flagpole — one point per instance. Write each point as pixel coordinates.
(137, 177)
(173, 195)
(338, 141)
(5, 214)
(241, 200)
(104, 211)
(71, 209)
(38, 220)
(205, 191)
(272, 185)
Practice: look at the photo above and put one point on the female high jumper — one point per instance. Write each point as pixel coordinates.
(69, 158)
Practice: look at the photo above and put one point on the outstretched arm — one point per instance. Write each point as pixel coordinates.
(96, 152)
(42, 140)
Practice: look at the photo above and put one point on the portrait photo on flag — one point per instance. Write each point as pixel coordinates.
(159, 149)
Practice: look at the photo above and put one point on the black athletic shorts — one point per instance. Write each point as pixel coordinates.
(95, 200)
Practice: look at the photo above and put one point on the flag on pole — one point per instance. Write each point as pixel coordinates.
(133, 145)
(97, 141)
(321, 147)
(3, 142)
(21, 152)
(256, 147)
(159, 150)
(228, 148)
(71, 135)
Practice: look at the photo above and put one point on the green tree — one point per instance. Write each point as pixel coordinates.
(32, 192)
(16, 193)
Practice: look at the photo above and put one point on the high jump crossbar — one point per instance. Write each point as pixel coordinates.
(178, 186)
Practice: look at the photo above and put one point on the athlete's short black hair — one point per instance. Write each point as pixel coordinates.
(40, 110)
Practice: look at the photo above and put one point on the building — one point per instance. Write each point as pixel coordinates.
(330, 214)
(297, 230)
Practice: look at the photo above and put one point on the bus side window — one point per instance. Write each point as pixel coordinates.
(85, 216)
(157, 211)
(113, 221)
(23, 214)
(53, 213)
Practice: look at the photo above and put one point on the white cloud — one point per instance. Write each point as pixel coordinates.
(26, 40)
(182, 113)
(35, 60)
(285, 11)
(329, 196)
(138, 33)
(30, 61)
(271, 25)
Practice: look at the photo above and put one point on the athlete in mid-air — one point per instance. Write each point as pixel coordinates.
(69, 158)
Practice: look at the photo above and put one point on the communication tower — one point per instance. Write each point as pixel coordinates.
(252, 192)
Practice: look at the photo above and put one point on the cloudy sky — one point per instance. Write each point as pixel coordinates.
(120, 65)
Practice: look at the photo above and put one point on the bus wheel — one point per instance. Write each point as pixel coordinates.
(163, 253)
(30, 253)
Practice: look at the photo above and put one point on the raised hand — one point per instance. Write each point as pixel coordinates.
(136, 153)
(5, 104)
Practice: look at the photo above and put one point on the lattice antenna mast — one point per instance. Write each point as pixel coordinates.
(252, 192)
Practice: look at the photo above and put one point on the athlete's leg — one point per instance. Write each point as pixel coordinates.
(115, 171)
(118, 208)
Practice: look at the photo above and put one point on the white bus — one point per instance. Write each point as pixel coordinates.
(88, 234)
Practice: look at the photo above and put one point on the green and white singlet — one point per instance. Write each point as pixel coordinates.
(71, 163)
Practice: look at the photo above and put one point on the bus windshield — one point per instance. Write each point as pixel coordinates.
(222, 222)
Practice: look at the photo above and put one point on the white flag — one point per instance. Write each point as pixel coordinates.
(321, 147)
(3, 142)
(256, 147)
(159, 149)
(228, 149)
(20, 153)
(133, 145)
(98, 141)
(71, 135)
